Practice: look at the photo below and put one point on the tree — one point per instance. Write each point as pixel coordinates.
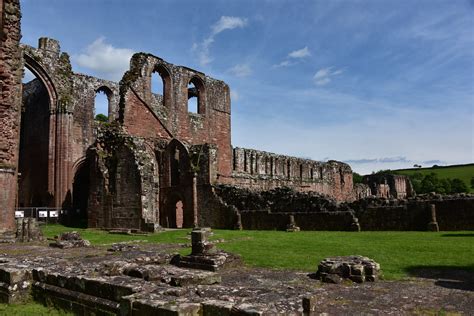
(472, 182)
(101, 118)
(458, 186)
(356, 178)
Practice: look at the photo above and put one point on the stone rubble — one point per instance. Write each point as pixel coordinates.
(356, 268)
(69, 240)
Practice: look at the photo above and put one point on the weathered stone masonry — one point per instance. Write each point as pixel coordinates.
(10, 100)
(154, 163)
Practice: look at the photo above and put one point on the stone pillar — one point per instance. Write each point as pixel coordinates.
(433, 224)
(199, 243)
(63, 166)
(355, 226)
(291, 227)
(11, 71)
(195, 204)
(238, 222)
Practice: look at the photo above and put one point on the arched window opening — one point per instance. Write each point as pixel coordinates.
(160, 85)
(301, 171)
(28, 76)
(196, 96)
(157, 83)
(288, 163)
(175, 168)
(102, 104)
(245, 161)
(312, 174)
(193, 98)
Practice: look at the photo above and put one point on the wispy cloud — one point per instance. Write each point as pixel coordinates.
(300, 53)
(241, 70)
(224, 23)
(379, 160)
(107, 61)
(325, 75)
(293, 57)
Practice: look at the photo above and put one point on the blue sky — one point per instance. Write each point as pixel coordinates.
(378, 84)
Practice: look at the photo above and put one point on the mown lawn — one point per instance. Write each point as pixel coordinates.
(30, 308)
(397, 252)
(463, 172)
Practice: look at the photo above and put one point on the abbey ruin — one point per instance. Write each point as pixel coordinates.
(154, 163)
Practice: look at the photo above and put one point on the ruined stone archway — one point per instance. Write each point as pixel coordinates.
(177, 187)
(37, 139)
(77, 214)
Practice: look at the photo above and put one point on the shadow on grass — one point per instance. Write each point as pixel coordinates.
(458, 235)
(451, 277)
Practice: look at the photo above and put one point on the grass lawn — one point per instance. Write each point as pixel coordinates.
(397, 252)
(30, 308)
(463, 172)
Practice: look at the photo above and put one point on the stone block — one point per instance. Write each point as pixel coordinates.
(309, 304)
(216, 308)
(355, 268)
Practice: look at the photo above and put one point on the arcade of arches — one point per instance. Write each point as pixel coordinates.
(154, 161)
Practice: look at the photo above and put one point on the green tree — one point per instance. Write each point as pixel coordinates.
(356, 178)
(430, 183)
(472, 182)
(458, 186)
(101, 118)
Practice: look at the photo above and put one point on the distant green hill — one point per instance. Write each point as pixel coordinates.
(463, 172)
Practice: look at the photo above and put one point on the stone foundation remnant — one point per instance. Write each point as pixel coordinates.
(204, 255)
(292, 225)
(356, 268)
(27, 229)
(69, 240)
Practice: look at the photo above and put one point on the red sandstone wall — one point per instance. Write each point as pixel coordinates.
(10, 100)
(141, 113)
(260, 170)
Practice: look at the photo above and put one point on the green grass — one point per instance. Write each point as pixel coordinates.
(397, 252)
(30, 308)
(100, 237)
(463, 172)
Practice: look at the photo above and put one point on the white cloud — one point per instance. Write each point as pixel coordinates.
(300, 53)
(292, 56)
(324, 75)
(241, 70)
(224, 23)
(106, 60)
(284, 63)
(228, 23)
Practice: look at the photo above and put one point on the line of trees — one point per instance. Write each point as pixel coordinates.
(432, 183)
(429, 183)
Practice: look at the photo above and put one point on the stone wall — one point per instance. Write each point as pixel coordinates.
(68, 101)
(149, 115)
(10, 101)
(261, 170)
(389, 185)
(267, 220)
(272, 209)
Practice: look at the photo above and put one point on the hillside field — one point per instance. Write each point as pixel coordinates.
(463, 172)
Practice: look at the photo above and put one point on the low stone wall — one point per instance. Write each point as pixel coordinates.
(271, 210)
(453, 212)
(265, 220)
(215, 212)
